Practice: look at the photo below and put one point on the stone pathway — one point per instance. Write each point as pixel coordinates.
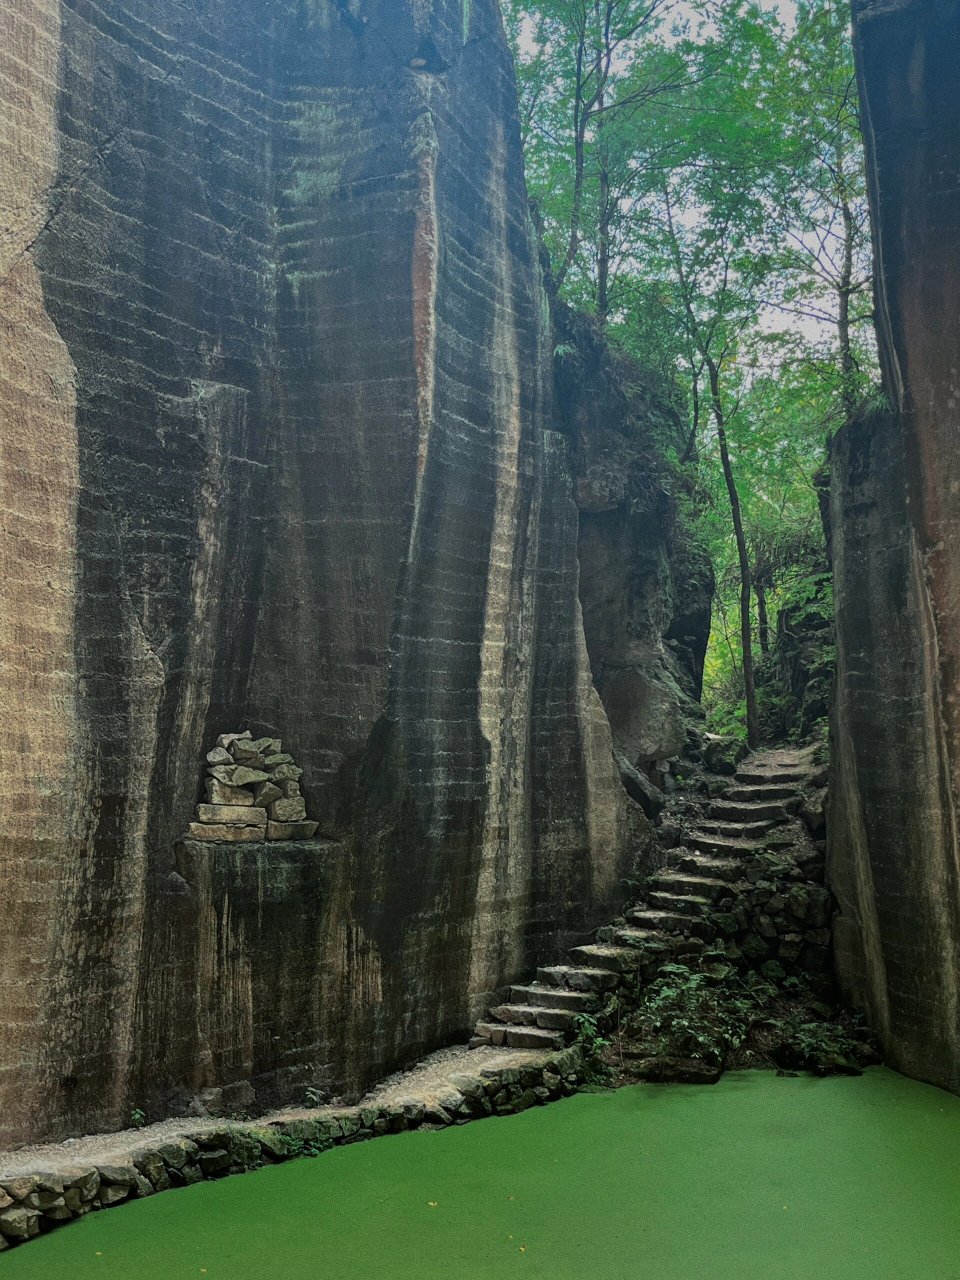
(44, 1187)
(727, 887)
(672, 919)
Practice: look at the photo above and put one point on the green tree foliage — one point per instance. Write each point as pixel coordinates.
(698, 172)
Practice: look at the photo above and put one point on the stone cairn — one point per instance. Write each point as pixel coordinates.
(253, 793)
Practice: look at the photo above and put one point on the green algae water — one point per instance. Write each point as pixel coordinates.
(756, 1178)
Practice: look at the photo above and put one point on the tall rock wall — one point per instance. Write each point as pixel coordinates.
(278, 452)
(894, 854)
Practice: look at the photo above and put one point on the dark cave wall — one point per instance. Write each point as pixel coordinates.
(279, 451)
(894, 860)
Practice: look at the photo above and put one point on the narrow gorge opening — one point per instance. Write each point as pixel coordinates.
(478, 539)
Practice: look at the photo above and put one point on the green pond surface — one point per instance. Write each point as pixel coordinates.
(758, 1176)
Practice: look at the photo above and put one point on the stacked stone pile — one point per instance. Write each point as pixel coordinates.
(253, 793)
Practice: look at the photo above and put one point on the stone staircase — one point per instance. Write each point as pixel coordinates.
(673, 918)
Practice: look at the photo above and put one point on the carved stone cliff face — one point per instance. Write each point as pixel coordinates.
(894, 855)
(277, 453)
(646, 593)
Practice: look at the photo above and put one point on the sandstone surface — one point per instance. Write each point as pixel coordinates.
(894, 857)
(280, 449)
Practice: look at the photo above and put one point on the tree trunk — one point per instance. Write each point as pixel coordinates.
(763, 621)
(845, 291)
(848, 391)
(746, 585)
(579, 162)
(603, 237)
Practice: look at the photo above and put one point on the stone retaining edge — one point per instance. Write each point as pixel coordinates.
(32, 1204)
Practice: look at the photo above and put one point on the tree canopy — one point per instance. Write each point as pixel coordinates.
(697, 169)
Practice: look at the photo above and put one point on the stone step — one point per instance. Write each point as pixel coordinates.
(760, 794)
(577, 977)
(777, 777)
(736, 819)
(529, 1015)
(725, 848)
(599, 956)
(682, 904)
(670, 922)
(705, 864)
(651, 940)
(748, 811)
(664, 922)
(682, 882)
(534, 1038)
(500, 1033)
(552, 997)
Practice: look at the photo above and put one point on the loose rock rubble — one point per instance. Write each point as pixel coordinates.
(253, 793)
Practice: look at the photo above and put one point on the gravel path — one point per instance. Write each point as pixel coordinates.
(423, 1082)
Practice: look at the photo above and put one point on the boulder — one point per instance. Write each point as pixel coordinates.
(639, 788)
(23, 1186)
(111, 1194)
(120, 1175)
(19, 1223)
(722, 755)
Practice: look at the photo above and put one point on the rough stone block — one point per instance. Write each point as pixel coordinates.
(150, 1164)
(120, 1175)
(112, 1194)
(232, 815)
(82, 1178)
(225, 739)
(178, 1153)
(288, 810)
(214, 1162)
(266, 792)
(223, 834)
(349, 1121)
(287, 773)
(436, 1114)
(469, 1086)
(43, 1200)
(237, 775)
(245, 748)
(25, 1185)
(291, 830)
(413, 1111)
(222, 793)
(19, 1222)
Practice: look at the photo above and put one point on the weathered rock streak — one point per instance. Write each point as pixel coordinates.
(278, 453)
(894, 851)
